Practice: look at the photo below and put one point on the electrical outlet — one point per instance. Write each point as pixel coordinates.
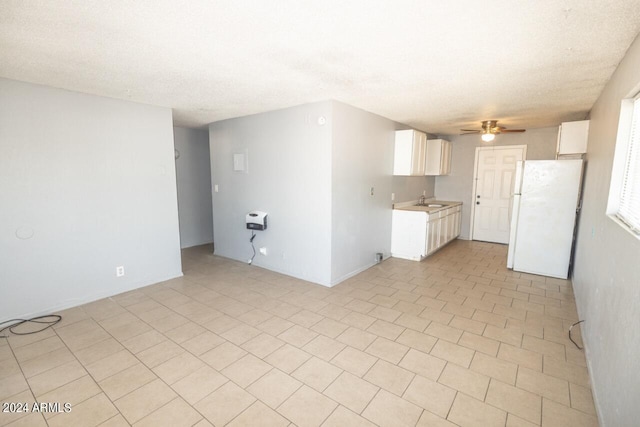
(120, 271)
(371, 191)
(393, 196)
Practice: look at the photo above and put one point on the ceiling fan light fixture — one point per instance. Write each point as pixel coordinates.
(489, 130)
(488, 137)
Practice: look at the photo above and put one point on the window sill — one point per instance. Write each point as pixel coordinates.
(624, 226)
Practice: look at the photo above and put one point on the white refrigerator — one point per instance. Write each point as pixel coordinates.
(545, 204)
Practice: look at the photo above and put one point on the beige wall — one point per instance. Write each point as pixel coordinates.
(606, 278)
(458, 185)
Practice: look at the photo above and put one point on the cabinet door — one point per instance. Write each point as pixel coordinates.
(452, 226)
(438, 157)
(403, 152)
(450, 223)
(428, 245)
(445, 168)
(418, 155)
(442, 226)
(434, 232)
(573, 137)
(433, 157)
(409, 153)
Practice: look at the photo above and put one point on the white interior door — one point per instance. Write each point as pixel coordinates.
(493, 191)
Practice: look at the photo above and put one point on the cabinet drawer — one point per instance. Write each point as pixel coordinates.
(433, 216)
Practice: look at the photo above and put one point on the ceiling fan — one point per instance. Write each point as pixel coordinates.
(489, 130)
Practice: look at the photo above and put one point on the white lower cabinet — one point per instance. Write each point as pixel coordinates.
(417, 234)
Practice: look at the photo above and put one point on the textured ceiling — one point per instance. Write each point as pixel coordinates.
(435, 65)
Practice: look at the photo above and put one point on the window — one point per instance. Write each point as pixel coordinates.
(624, 195)
(629, 209)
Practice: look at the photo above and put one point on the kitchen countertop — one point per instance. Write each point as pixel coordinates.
(410, 206)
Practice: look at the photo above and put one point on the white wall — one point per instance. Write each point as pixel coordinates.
(87, 184)
(458, 185)
(193, 176)
(289, 176)
(362, 157)
(314, 181)
(606, 278)
(407, 188)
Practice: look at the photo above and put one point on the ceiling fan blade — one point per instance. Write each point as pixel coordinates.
(512, 130)
(470, 130)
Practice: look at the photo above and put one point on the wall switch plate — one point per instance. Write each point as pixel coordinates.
(393, 196)
(215, 188)
(263, 251)
(120, 271)
(371, 191)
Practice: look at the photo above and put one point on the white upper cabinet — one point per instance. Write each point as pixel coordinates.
(409, 154)
(438, 161)
(572, 137)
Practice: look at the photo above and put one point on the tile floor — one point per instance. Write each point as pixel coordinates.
(455, 340)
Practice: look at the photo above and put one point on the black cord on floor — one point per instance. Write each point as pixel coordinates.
(571, 327)
(54, 320)
(253, 236)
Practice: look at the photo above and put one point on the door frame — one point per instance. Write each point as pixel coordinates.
(475, 177)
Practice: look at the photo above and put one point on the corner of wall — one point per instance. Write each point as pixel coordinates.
(289, 176)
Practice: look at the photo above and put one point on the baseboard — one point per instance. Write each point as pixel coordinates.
(197, 244)
(355, 272)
